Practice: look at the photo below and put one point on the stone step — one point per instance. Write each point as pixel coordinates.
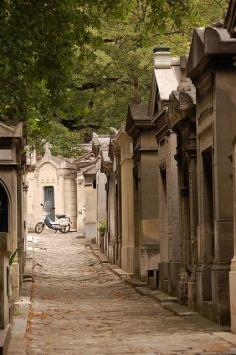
(145, 291)
(179, 310)
(163, 297)
(121, 273)
(94, 247)
(135, 282)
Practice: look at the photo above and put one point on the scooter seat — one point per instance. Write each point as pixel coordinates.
(60, 215)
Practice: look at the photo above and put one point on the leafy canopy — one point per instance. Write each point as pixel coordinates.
(119, 68)
(80, 62)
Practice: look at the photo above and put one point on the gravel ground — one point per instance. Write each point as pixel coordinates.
(79, 306)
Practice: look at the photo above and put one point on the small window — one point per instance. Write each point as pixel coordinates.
(3, 209)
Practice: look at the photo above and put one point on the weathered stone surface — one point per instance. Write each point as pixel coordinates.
(83, 308)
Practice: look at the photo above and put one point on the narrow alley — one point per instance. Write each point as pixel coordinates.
(79, 306)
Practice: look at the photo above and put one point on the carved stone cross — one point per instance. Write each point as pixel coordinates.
(47, 148)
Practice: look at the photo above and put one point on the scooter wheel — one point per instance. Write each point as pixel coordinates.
(39, 228)
(65, 229)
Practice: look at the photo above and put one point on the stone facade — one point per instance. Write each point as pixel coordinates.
(12, 222)
(145, 182)
(211, 67)
(86, 196)
(226, 84)
(110, 165)
(100, 148)
(129, 249)
(182, 119)
(52, 178)
(166, 76)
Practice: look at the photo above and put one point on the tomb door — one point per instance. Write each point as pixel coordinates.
(4, 209)
(49, 201)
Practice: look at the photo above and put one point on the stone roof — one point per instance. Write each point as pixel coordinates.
(137, 118)
(85, 160)
(58, 161)
(10, 132)
(208, 43)
(139, 111)
(167, 80)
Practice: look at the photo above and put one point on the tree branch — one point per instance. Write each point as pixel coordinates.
(95, 85)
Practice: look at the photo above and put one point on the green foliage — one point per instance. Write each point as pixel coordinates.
(64, 142)
(39, 42)
(82, 61)
(119, 68)
(102, 226)
(12, 256)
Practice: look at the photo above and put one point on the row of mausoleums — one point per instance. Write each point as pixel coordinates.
(171, 177)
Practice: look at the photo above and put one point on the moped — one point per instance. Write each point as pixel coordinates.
(62, 223)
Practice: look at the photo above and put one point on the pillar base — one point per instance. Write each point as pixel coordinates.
(168, 277)
(192, 295)
(128, 259)
(213, 292)
(232, 287)
(149, 259)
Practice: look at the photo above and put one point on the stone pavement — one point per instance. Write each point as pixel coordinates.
(80, 307)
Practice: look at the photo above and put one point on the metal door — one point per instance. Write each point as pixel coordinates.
(3, 209)
(49, 201)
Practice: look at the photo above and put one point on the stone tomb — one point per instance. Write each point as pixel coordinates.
(182, 119)
(51, 181)
(211, 67)
(86, 196)
(166, 76)
(12, 227)
(145, 182)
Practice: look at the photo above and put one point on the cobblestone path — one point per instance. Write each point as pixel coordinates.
(80, 307)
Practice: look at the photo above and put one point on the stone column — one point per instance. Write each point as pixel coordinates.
(232, 274)
(149, 242)
(173, 232)
(192, 288)
(127, 203)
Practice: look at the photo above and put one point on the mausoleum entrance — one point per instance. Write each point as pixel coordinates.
(4, 206)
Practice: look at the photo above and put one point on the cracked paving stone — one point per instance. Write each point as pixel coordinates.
(80, 307)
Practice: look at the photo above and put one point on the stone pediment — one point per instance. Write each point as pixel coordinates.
(57, 162)
(182, 106)
(11, 132)
(187, 100)
(208, 44)
(85, 157)
(89, 170)
(230, 19)
(85, 160)
(196, 50)
(137, 118)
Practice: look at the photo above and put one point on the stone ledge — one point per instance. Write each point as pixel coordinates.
(121, 273)
(5, 335)
(179, 310)
(102, 258)
(162, 297)
(94, 247)
(144, 291)
(226, 335)
(135, 282)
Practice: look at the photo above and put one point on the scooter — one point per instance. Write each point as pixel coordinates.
(62, 223)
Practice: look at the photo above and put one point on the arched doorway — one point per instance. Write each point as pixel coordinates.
(4, 209)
